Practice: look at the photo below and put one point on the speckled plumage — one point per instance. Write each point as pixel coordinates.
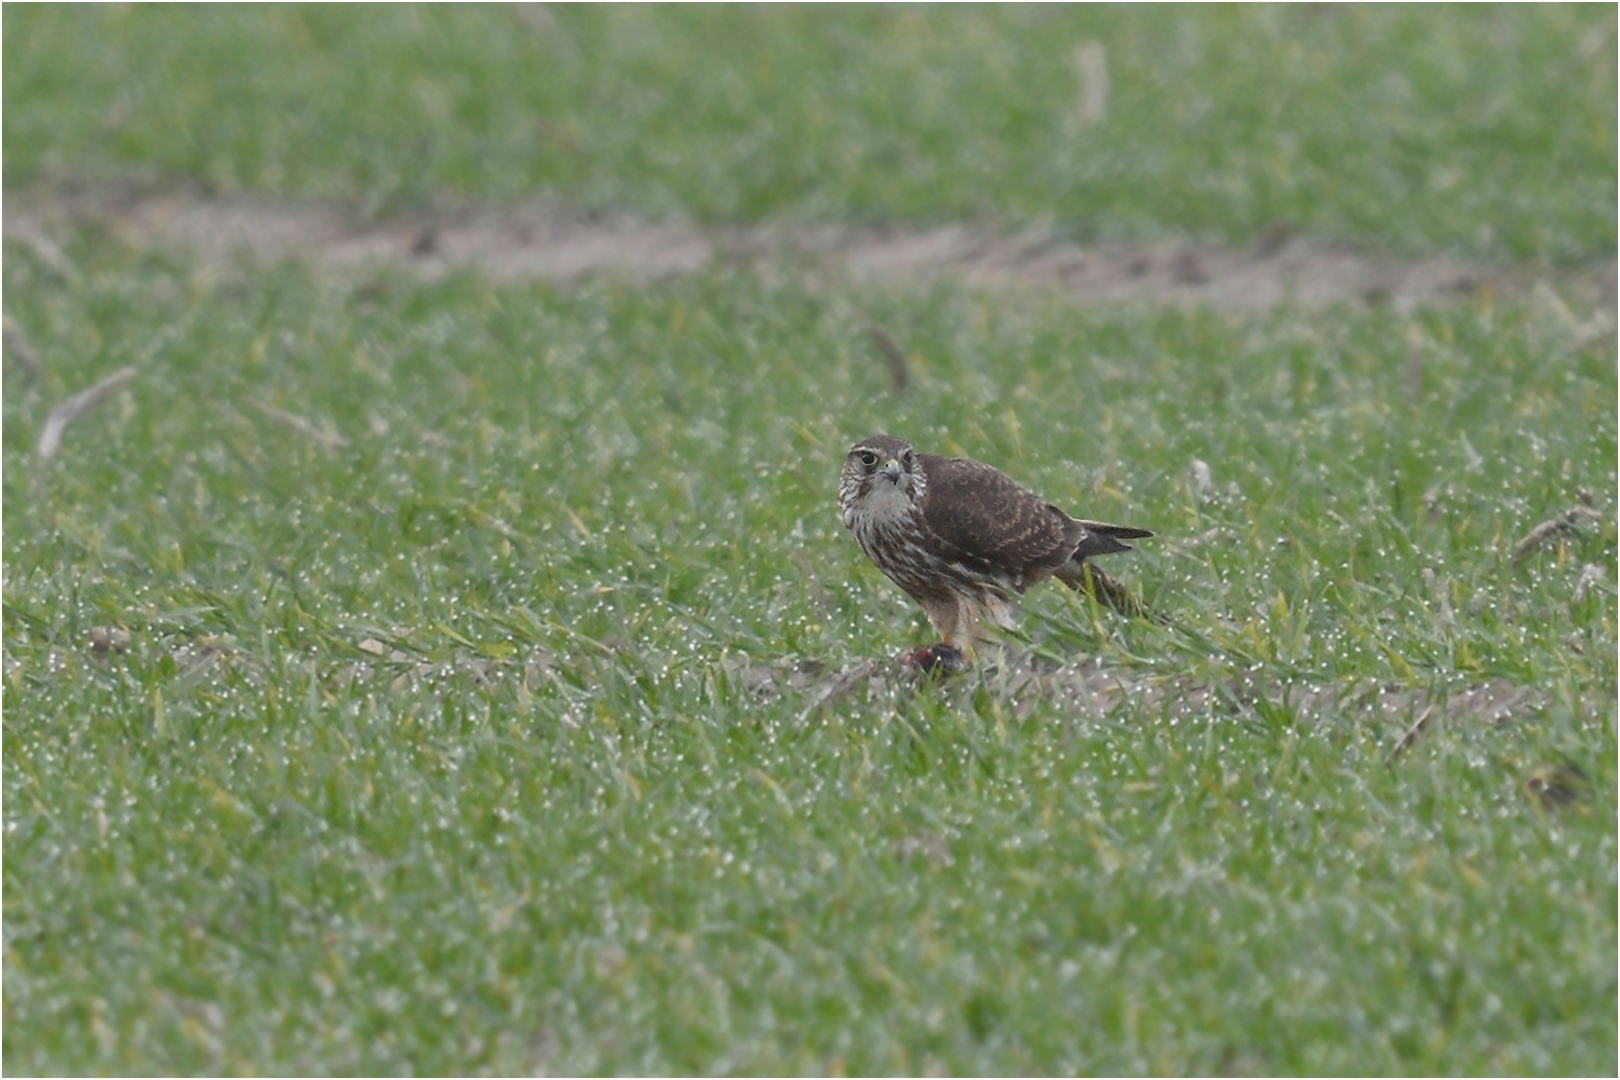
(962, 538)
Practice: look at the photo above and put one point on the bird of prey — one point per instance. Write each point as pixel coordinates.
(961, 537)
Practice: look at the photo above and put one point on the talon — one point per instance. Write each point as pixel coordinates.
(941, 659)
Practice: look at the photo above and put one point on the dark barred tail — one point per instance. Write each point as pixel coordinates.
(1103, 539)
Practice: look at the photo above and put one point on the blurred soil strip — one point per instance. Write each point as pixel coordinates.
(544, 241)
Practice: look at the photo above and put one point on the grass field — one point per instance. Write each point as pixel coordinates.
(1491, 130)
(481, 705)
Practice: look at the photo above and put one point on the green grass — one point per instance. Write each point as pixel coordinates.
(495, 738)
(558, 829)
(1488, 130)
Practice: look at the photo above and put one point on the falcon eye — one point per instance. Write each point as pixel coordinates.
(867, 458)
(906, 457)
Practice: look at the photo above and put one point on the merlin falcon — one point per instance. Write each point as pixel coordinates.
(962, 537)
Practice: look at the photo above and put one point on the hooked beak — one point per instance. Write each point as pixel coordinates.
(893, 471)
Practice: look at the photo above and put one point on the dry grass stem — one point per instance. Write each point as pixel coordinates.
(1538, 537)
(1415, 732)
(899, 372)
(1091, 61)
(50, 440)
(329, 441)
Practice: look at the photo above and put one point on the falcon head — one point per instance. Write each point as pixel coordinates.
(883, 480)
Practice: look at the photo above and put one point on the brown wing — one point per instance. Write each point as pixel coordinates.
(984, 520)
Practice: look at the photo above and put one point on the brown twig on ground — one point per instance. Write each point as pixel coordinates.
(899, 372)
(48, 251)
(50, 439)
(327, 440)
(1537, 537)
(841, 684)
(1413, 733)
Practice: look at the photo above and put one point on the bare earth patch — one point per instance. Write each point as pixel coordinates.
(540, 241)
(1088, 690)
(1083, 690)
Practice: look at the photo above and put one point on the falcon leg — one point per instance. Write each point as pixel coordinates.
(954, 619)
